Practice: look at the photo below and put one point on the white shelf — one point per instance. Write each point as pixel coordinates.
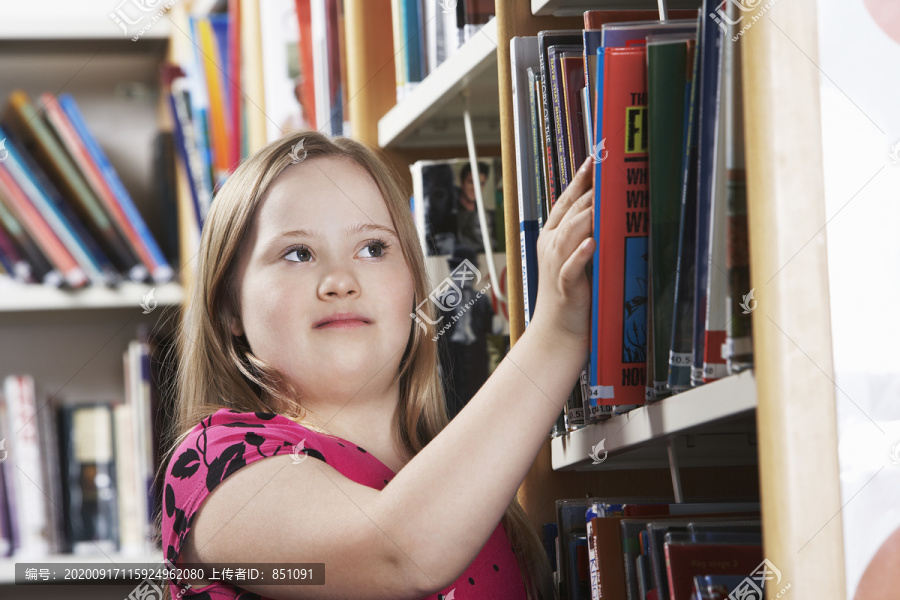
(571, 8)
(713, 424)
(8, 565)
(78, 19)
(432, 113)
(22, 298)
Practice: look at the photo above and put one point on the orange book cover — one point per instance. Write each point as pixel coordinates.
(621, 213)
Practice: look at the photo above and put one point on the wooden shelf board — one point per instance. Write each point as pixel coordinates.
(571, 8)
(712, 425)
(432, 113)
(24, 298)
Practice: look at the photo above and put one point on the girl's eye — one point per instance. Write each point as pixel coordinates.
(380, 245)
(300, 252)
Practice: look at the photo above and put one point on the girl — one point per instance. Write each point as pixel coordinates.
(297, 341)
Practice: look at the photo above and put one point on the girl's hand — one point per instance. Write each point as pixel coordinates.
(564, 247)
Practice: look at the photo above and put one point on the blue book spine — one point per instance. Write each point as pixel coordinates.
(680, 356)
(528, 234)
(598, 172)
(161, 270)
(183, 137)
(710, 77)
(409, 15)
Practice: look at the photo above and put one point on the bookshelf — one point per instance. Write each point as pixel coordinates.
(72, 341)
(774, 426)
(430, 115)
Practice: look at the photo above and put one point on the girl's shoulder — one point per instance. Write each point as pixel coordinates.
(230, 439)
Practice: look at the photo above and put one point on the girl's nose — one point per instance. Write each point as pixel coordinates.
(338, 282)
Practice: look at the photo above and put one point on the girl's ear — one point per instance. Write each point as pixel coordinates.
(237, 328)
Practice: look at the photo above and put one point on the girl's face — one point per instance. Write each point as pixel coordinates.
(322, 246)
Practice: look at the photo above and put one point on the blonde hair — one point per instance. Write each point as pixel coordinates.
(218, 370)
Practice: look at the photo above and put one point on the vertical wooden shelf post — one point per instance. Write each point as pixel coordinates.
(799, 477)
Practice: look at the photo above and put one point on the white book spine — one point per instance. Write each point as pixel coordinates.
(25, 455)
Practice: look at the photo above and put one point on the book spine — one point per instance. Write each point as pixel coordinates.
(130, 517)
(304, 16)
(714, 366)
(41, 268)
(549, 133)
(624, 197)
(73, 134)
(710, 86)
(16, 266)
(536, 153)
(598, 394)
(51, 214)
(40, 230)
(667, 81)
(26, 459)
(520, 48)
(399, 56)
(52, 478)
(188, 152)
(573, 84)
(738, 350)
(680, 349)
(6, 532)
(92, 520)
(553, 56)
(235, 152)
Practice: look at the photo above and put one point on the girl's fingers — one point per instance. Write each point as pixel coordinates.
(579, 185)
(574, 231)
(573, 269)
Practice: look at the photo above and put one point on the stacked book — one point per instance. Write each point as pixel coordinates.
(66, 219)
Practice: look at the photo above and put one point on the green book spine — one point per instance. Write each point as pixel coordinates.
(666, 79)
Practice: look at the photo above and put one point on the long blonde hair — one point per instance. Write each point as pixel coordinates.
(217, 369)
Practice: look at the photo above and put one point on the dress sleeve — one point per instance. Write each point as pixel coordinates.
(217, 447)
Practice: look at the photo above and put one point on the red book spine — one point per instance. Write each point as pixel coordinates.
(40, 231)
(624, 225)
(305, 48)
(234, 78)
(573, 82)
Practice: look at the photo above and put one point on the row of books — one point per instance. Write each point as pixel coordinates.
(656, 105)
(66, 218)
(428, 32)
(79, 477)
(243, 78)
(648, 549)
